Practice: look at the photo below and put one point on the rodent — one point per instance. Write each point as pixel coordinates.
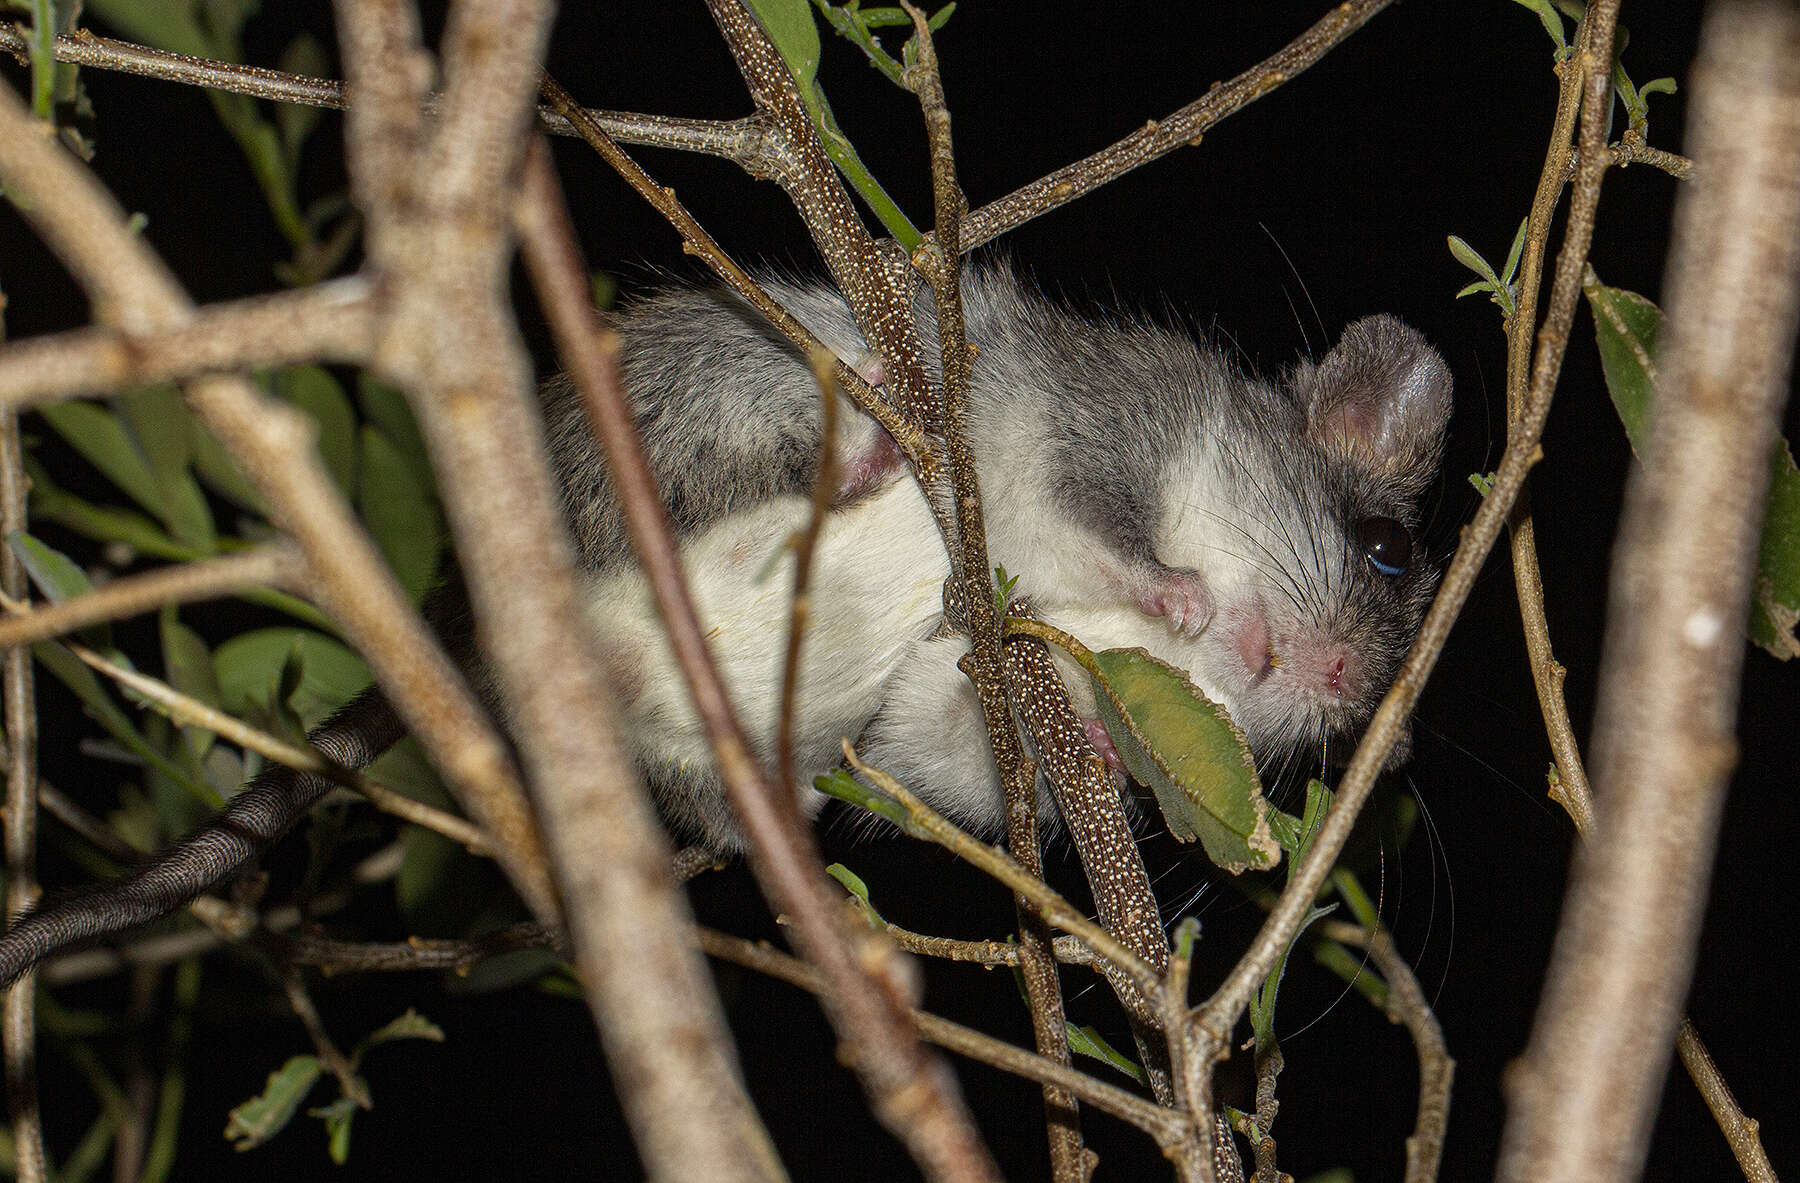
(1143, 490)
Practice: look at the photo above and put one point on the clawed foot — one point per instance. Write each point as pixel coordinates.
(1103, 744)
(1179, 594)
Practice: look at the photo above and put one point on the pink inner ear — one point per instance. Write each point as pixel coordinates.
(1353, 425)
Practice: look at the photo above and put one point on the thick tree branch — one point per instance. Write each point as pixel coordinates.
(329, 322)
(437, 200)
(132, 292)
(912, 1094)
(1680, 592)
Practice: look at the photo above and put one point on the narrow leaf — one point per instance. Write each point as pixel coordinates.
(189, 668)
(789, 24)
(320, 395)
(101, 439)
(337, 1117)
(1625, 328)
(1470, 258)
(250, 665)
(1087, 1041)
(54, 573)
(400, 513)
(162, 429)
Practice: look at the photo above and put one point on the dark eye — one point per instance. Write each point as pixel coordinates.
(1385, 543)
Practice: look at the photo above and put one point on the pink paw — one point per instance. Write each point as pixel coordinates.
(1181, 596)
(1103, 744)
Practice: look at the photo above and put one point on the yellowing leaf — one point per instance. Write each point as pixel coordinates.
(1184, 746)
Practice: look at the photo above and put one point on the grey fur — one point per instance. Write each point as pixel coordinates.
(1124, 465)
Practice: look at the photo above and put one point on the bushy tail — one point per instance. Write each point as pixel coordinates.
(265, 810)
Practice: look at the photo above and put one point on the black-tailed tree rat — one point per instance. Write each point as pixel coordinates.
(1141, 488)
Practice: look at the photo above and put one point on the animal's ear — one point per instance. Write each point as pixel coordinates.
(1380, 398)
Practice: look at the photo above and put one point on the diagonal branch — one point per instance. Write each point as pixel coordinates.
(912, 1093)
(1159, 137)
(1213, 1022)
(438, 202)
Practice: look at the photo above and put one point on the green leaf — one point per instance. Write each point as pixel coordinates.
(789, 24)
(1552, 23)
(1470, 258)
(1087, 1041)
(840, 784)
(55, 573)
(267, 1114)
(387, 409)
(101, 523)
(1185, 747)
(411, 1025)
(190, 670)
(250, 665)
(101, 439)
(320, 395)
(1518, 248)
(400, 513)
(163, 430)
(1775, 605)
(1626, 327)
(337, 1117)
(852, 883)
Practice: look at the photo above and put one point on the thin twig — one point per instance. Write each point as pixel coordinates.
(1743, 1133)
(941, 264)
(271, 565)
(1407, 1005)
(18, 1016)
(335, 1061)
(696, 241)
(737, 140)
(1158, 137)
(804, 544)
(1166, 1126)
(912, 1092)
(1679, 599)
(926, 822)
(191, 712)
(329, 322)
